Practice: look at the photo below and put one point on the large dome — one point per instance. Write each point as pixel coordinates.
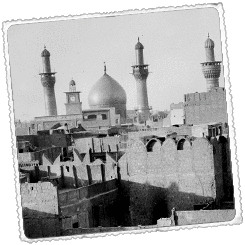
(106, 92)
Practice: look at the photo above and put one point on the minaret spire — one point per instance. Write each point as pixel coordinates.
(140, 72)
(211, 68)
(48, 81)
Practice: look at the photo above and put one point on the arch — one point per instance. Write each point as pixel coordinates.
(153, 145)
(180, 144)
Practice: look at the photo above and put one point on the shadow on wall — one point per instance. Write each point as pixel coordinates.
(157, 177)
(144, 204)
(38, 224)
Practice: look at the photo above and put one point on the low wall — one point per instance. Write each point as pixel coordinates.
(204, 216)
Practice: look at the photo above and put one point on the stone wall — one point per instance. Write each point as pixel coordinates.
(40, 209)
(175, 174)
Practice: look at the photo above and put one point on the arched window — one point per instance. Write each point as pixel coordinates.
(180, 144)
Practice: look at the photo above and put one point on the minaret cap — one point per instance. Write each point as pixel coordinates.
(209, 43)
(139, 45)
(72, 83)
(45, 52)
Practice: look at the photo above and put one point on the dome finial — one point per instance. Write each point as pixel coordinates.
(44, 46)
(208, 34)
(138, 39)
(104, 68)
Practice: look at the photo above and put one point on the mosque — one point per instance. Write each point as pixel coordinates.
(108, 100)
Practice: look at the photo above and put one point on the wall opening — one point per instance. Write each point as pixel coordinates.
(92, 117)
(180, 145)
(150, 145)
(104, 116)
(75, 225)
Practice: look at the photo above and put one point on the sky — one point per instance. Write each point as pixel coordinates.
(174, 49)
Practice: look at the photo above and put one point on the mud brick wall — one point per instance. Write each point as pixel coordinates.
(90, 206)
(61, 140)
(206, 107)
(107, 144)
(155, 179)
(40, 209)
(51, 153)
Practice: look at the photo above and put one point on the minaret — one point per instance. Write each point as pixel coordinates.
(140, 72)
(48, 81)
(211, 68)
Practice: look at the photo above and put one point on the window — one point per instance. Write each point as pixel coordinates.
(92, 117)
(104, 116)
(75, 225)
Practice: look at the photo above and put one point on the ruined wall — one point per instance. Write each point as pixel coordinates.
(40, 209)
(173, 175)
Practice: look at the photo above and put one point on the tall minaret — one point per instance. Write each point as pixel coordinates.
(211, 68)
(48, 81)
(140, 72)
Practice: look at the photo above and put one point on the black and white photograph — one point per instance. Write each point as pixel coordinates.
(122, 122)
